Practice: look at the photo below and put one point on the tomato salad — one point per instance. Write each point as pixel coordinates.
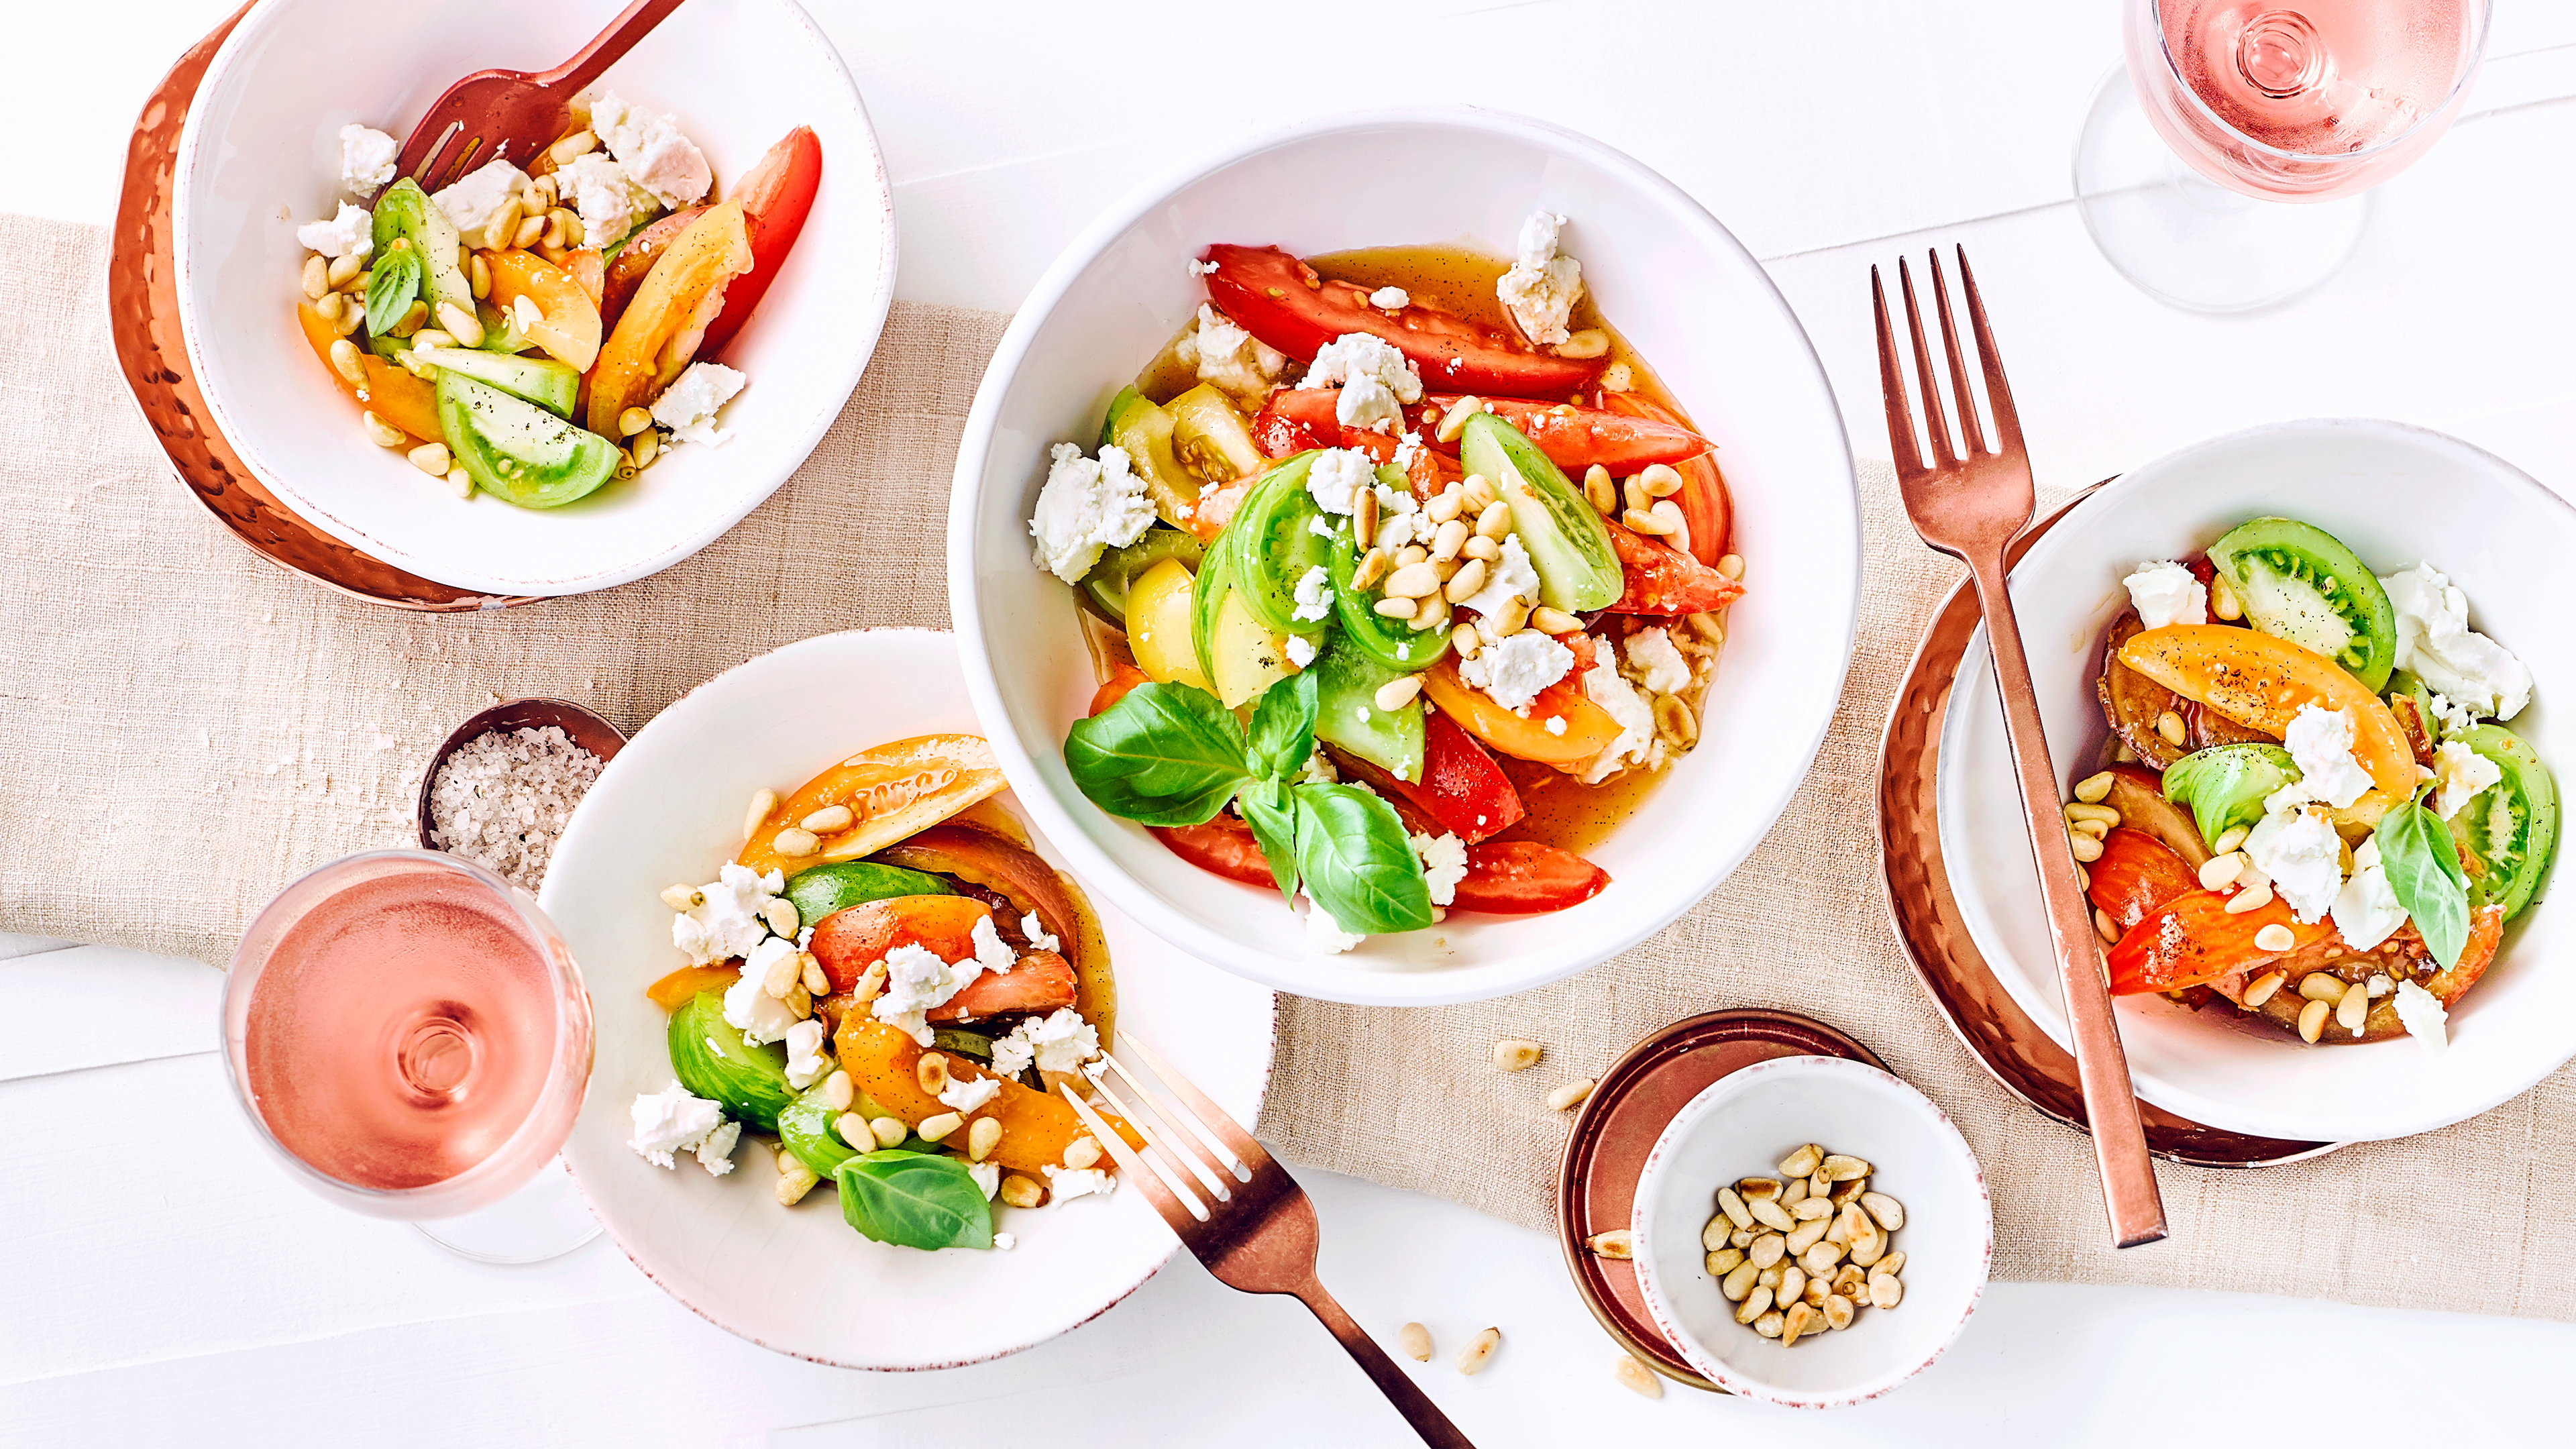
(2314, 811)
(890, 981)
(1403, 575)
(537, 334)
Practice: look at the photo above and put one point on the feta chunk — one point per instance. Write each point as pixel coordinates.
(988, 1181)
(349, 233)
(2320, 744)
(476, 196)
(1003, 1242)
(806, 1063)
(671, 1120)
(1036, 931)
(761, 1017)
(1360, 356)
(991, 952)
(917, 983)
(2461, 773)
(1324, 934)
(1086, 507)
(1514, 671)
(2435, 641)
(1301, 651)
(1408, 448)
(1064, 1184)
(2366, 911)
(2166, 593)
(1636, 742)
(716, 1153)
(2425, 1020)
(1399, 519)
(1367, 403)
(652, 150)
(688, 406)
(2454, 718)
(1392, 299)
(367, 158)
(2298, 851)
(726, 921)
(1510, 576)
(968, 1094)
(1061, 1042)
(1336, 476)
(1655, 664)
(602, 194)
(1444, 864)
(1232, 360)
(1314, 597)
(1543, 284)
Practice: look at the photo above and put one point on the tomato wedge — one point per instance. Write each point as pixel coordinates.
(1462, 791)
(1293, 421)
(1041, 982)
(2138, 875)
(1574, 438)
(2193, 939)
(1662, 579)
(775, 197)
(2261, 682)
(662, 323)
(1705, 506)
(1588, 727)
(625, 271)
(1281, 301)
(1224, 846)
(673, 991)
(849, 942)
(1526, 878)
(391, 393)
(1122, 679)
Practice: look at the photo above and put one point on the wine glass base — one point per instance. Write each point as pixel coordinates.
(545, 1219)
(2188, 241)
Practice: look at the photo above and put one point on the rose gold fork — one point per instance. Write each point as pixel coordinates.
(1237, 1211)
(485, 115)
(1969, 504)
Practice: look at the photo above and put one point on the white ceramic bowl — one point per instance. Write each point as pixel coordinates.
(2397, 495)
(669, 808)
(1696, 305)
(260, 156)
(1741, 1125)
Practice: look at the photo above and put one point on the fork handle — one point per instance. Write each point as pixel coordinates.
(2129, 1196)
(1399, 1388)
(610, 45)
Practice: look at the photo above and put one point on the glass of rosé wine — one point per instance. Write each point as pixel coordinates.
(2230, 169)
(410, 1035)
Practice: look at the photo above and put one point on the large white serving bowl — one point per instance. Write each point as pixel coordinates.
(1697, 307)
(669, 808)
(2397, 495)
(260, 156)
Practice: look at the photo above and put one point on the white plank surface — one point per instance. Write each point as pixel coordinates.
(165, 1281)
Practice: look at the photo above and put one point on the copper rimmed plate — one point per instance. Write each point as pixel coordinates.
(1596, 1182)
(1980, 1012)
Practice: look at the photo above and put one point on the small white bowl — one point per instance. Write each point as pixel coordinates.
(1741, 1125)
(1697, 306)
(2396, 495)
(260, 156)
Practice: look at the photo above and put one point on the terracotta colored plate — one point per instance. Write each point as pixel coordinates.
(579, 725)
(1596, 1184)
(143, 317)
(1926, 915)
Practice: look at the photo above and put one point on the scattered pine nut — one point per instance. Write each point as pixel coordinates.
(1415, 1340)
(460, 324)
(1454, 421)
(2312, 1021)
(762, 802)
(933, 1129)
(2109, 931)
(1599, 491)
(780, 916)
(2222, 600)
(344, 270)
(317, 278)
(579, 143)
(1553, 621)
(840, 1092)
(888, 1131)
(2221, 871)
(2087, 849)
(1020, 1192)
(794, 842)
(2252, 898)
(1590, 342)
(1641, 521)
(2275, 937)
(932, 1073)
(430, 458)
(2093, 789)
(982, 1138)
(858, 1131)
(826, 820)
(1475, 493)
(1802, 1161)
(1464, 583)
(385, 435)
(2261, 988)
(683, 898)
(2169, 725)
(1616, 1243)
(1479, 1351)
(633, 421)
(795, 1179)
(1080, 1153)
(647, 444)
(1732, 566)
(1398, 692)
(345, 361)
(1569, 1095)
(1635, 1376)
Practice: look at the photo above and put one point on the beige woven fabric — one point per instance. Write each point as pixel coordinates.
(184, 726)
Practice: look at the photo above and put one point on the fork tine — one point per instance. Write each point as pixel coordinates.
(1212, 1123)
(1971, 439)
(1179, 1206)
(1998, 392)
(1157, 1140)
(1891, 387)
(1936, 416)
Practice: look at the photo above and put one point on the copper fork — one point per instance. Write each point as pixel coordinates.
(1969, 503)
(485, 115)
(1235, 1209)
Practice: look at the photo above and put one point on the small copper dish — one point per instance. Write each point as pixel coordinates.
(579, 725)
(1596, 1182)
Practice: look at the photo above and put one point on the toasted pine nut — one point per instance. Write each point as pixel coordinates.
(1475, 493)
(1809, 1233)
(1886, 1290)
(1373, 566)
(1393, 608)
(2322, 986)
(2252, 898)
(1447, 504)
(2222, 599)
(1758, 1189)
(825, 821)
(795, 1179)
(1454, 421)
(1771, 1215)
(1411, 554)
(317, 278)
(683, 898)
(1838, 1167)
(1599, 491)
(1463, 584)
(2353, 1010)
(1081, 1152)
(1766, 1251)
(1447, 539)
(1739, 1281)
(1553, 621)
(330, 305)
(1755, 1304)
(478, 277)
(932, 1073)
(795, 842)
(1803, 1161)
(1466, 641)
(1020, 1192)
(2103, 813)
(1660, 480)
(2104, 928)
(1769, 1325)
(2095, 828)
(1820, 1258)
(1479, 1350)
(1640, 521)
(460, 324)
(1570, 1095)
(1794, 1326)
(1713, 1236)
(1616, 1243)
(2275, 937)
(1590, 342)
(1434, 614)
(1483, 548)
(1398, 692)
(1792, 1285)
(1634, 1376)
(1413, 581)
(2312, 1020)
(1633, 494)
(871, 984)
(1888, 1211)
(579, 143)
(762, 802)
(2169, 725)
(840, 1091)
(2086, 848)
(2229, 839)
(529, 229)
(1732, 566)
(2220, 871)
(385, 435)
(1733, 1206)
(1415, 1340)
(2260, 989)
(854, 1130)
(430, 458)
(1724, 1260)
(460, 481)
(425, 338)
(1494, 521)
(2093, 789)
(932, 1129)
(414, 317)
(780, 916)
(345, 361)
(342, 270)
(982, 1138)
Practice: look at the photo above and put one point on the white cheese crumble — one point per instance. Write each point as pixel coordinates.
(2366, 911)
(671, 1120)
(2166, 593)
(726, 921)
(2424, 1017)
(652, 150)
(2320, 744)
(988, 1181)
(1356, 355)
(1399, 519)
(1086, 507)
(2453, 718)
(603, 195)
(1004, 1242)
(1064, 1184)
(1636, 742)
(1300, 650)
(716, 1153)
(1059, 1043)
(1514, 671)
(476, 196)
(1365, 402)
(917, 983)
(991, 951)
(2435, 641)
(1392, 299)
(1444, 864)
(1336, 476)
(1036, 931)
(349, 233)
(1319, 526)
(2298, 851)
(1510, 576)
(1407, 450)
(806, 1063)
(1543, 284)
(1556, 724)
(1324, 934)
(688, 406)
(1314, 599)
(1656, 664)
(367, 157)
(1197, 268)
(2461, 773)
(761, 1017)
(968, 1094)
(1233, 360)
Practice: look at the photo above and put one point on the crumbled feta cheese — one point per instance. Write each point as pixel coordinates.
(1319, 770)
(1059, 1043)
(1510, 576)
(761, 1017)
(1654, 663)
(1004, 1242)
(1356, 355)
(1543, 284)
(652, 150)
(726, 921)
(1365, 402)
(1064, 1184)
(1392, 299)
(1238, 364)
(671, 1120)
(2166, 593)
(1408, 449)
(2453, 718)
(1086, 507)
(2298, 851)
(1036, 931)
(918, 983)
(1301, 650)
(1314, 599)
(2366, 911)
(2461, 773)
(600, 191)
(1636, 742)
(716, 1153)
(367, 158)
(2320, 744)
(968, 1094)
(1336, 476)
(1556, 724)
(688, 406)
(1197, 268)
(2425, 1020)
(1399, 519)
(2435, 641)
(988, 1181)
(1319, 526)
(1444, 864)
(1513, 671)
(476, 196)
(991, 952)
(1324, 934)
(349, 233)
(806, 1063)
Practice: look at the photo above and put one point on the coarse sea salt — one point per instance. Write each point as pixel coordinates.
(502, 798)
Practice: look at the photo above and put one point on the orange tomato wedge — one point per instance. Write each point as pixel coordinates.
(884, 1064)
(1588, 727)
(569, 331)
(676, 990)
(391, 393)
(715, 249)
(2261, 682)
(892, 791)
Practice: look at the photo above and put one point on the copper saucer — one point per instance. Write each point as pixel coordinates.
(1596, 1183)
(1984, 1016)
(143, 317)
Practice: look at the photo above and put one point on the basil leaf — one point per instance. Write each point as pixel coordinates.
(1272, 813)
(390, 289)
(1167, 754)
(1356, 861)
(1283, 728)
(2423, 866)
(914, 1200)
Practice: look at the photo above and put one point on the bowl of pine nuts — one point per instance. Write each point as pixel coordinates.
(1811, 1232)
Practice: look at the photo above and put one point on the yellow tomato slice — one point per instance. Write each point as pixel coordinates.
(892, 791)
(713, 250)
(2261, 682)
(1588, 727)
(1158, 625)
(570, 331)
(391, 393)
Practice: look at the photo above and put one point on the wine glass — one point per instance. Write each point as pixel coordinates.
(2229, 170)
(409, 1034)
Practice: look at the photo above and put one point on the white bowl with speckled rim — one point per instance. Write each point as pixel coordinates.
(1697, 306)
(260, 155)
(1740, 1126)
(669, 808)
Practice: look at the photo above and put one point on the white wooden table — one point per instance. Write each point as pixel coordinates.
(162, 1281)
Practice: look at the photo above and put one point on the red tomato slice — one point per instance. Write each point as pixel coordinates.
(1041, 982)
(776, 196)
(1280, 300)
(1122, 679)
(1705, 505)
(1295, 421)
(848, 942)
(2137, 876)
(1664, 580)
(2193, 939)
(1525, 878)
(1224, 846)
(1575, 438)
(1462, 791)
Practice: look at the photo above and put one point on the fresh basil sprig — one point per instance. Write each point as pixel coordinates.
(1167, 754)
(914, 1200)
(2423, 866)
(1352, 850)
(390, 289)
